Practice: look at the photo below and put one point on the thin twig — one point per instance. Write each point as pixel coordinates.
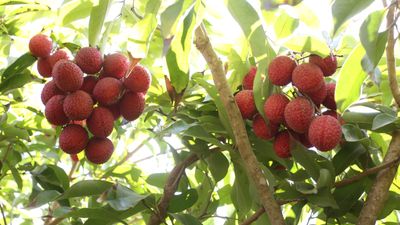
(73, 168)
(3, 214)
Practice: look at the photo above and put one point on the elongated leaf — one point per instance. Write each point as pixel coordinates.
(373, 42)
(186, 219)
(285, 25)
(97, 18)
(347, 155)
(95, 213)
(382, 120)
(122, 198)
(157, 179)
(342, 10)
(170, 17)
(218, 165)
(351, 78)
(307, 44)
(185, 200)
(74, 10)
(18, 66)
(86, 188)
(307, 159)
(43, 197)
(140, 36)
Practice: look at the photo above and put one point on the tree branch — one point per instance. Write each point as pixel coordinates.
(251, 163)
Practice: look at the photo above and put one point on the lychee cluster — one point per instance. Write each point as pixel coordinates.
(296, 115)
(88, 93)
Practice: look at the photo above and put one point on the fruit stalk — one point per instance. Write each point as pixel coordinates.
(270, 205)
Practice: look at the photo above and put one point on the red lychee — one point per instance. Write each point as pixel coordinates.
(328, 64)
(308, 78)
(59, 55)
(280, 70)
(89, 59)
(138, 80)
(107, 90)
(89, 82)
(44, 67)
(67, 75)
(99, 150)
(245, 101)
(248, 80)
(299, 114)
(114, 109)
(115, 65)
(335, 115)
(302, 138)
(101, 122)
(319, 96)
(329, 101)
(325, 132)
(73, 139)
(274, 107)
(54, 111)
(78, 105)
(132, 105)
(262, 130)
(282, 144)
(40, 45)
(49, 90)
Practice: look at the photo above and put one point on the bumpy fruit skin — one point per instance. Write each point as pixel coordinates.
(107, 90)
(78, 105)
(101, 122)
(335, 115)
(67, 75)
(59, 55)
(99, 150)
(262, 130)
(328, 64)
(299, 114)
(89, 82)
(302, 138)
(274, 108)
(329, 101)
(40, 45)
(319, 96)
(49, 90)
(325, 132)
(114, 109)
(308, 78)
(138, 80)
(89, 59)
(73, 139)
(54, 111)
(282, 144)
(115, 65)
(44, 67)
(248, 80)
(245, 101)
(280, 70)
(132, 105)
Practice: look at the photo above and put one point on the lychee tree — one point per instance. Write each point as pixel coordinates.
(199, 112)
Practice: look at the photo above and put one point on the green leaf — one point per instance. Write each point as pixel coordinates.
(43, 197)
(16, 81)
(342, 10)
(200, 132)
(218, 165)
(177, 127)
(74, 10)
(157, 179)
(240, 194)
(373, 42)
(323, 198)
(94, 213)
(285, 25)
(382, 120)
(307, 44)
(239, 69)
(16, 176)
(351, 78)
(86, 188)
(97, 18)
(152, 6)
(308, 159)
(140, 36)
(391, 204)
(186, 219)
(352, 133)
(170, 17)
(185, 200)
(18, 66)
(325, 178)
(347, 155)
(122, 198)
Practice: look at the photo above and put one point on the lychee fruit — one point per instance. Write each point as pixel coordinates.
(59, 55)
(89, 59)
(89, 82)
(49, 90)
(115, 65)
(107, 90)
(54, 111)
(248, 80)
(274, 108)
(299, 114)
(67, 75)
(78, 105)
(302, 138)
(282, 144)
(99, 150)
(280, 70)
(40, 45)
(262, 130)
(335, 115)
(114, 109)
(308, 78)
(138, 80)
(329, 101)
(132, 105)
(73, 139)
(328, 64)
(101, 122)
(325, 132)
(319, 96)
(44, 67)
(245, 101)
